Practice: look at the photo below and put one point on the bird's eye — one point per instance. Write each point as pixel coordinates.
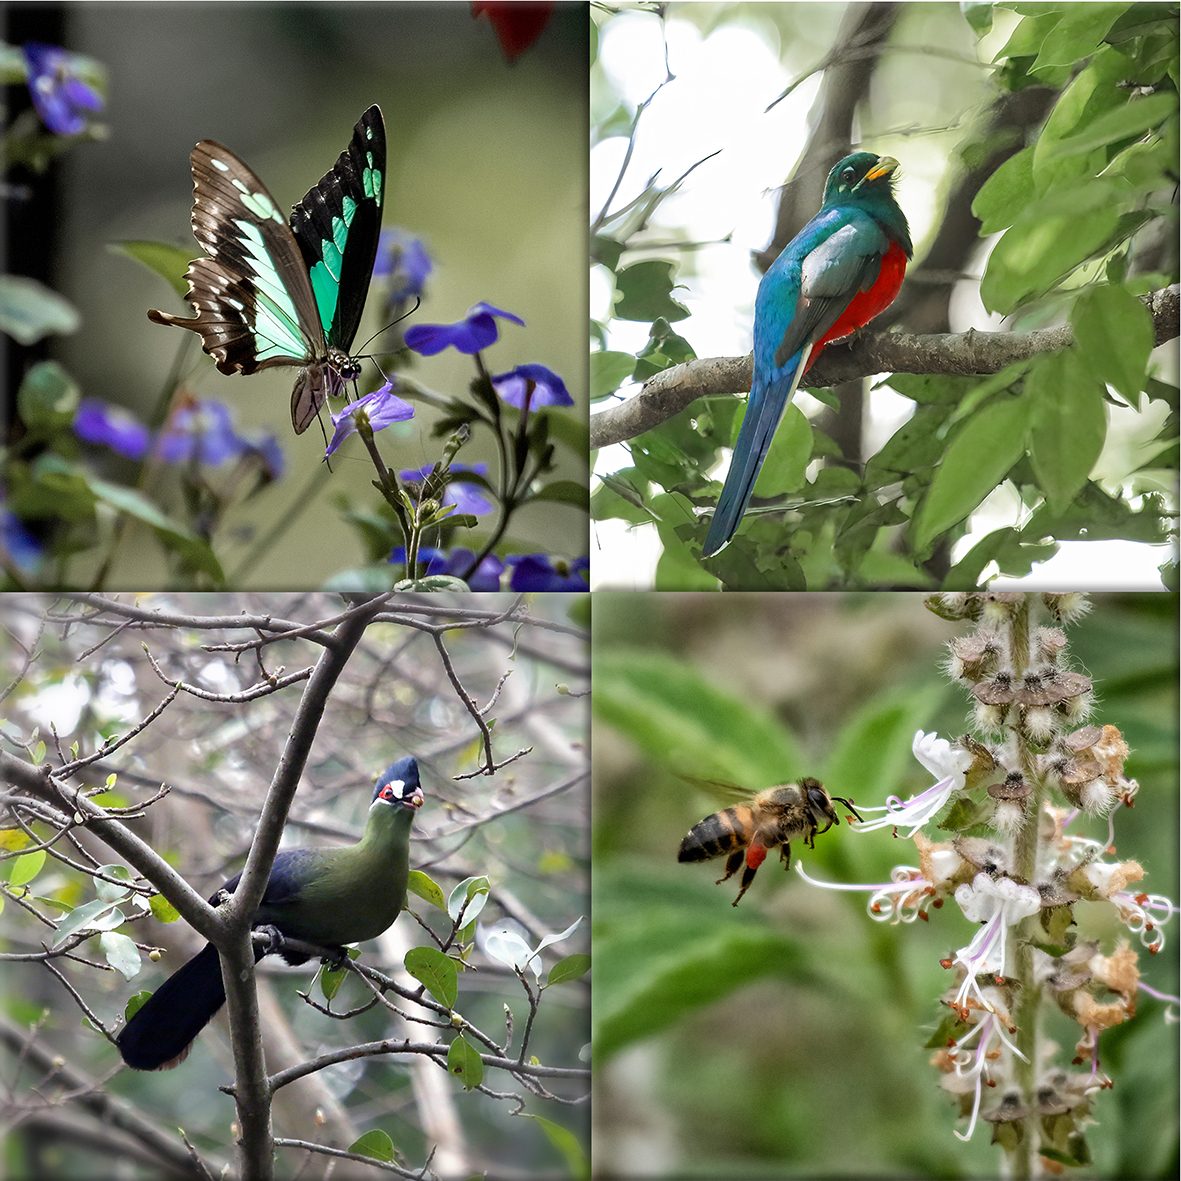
(847, 176)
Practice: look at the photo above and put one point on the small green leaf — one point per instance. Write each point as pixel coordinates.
(565, 492)
(1114, 335)
(431, 967)
(464, 1062)
(162, 910)
(48, 397)
(121, 953)
(977, 460)
(608, 371)
(26, 867)
(168, 261)
(375, 1144)
(135, 1002)
(571, 968)
(426, 888)
(30, 311)
(473, 891)
(646, 292)
(566, 1142)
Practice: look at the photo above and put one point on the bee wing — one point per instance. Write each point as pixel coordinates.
(720, 789)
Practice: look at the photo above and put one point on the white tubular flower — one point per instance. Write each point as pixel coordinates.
(947, 763)
(998, 904)
(975, 1065)
(896, 901)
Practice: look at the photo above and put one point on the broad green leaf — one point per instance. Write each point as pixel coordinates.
(565, 492)
(1114, 337)
(375, 1144)
(566, 1142)
(1078, 33)
(573, 967)
(168, 261)
(463, 1061)
(431, 967)
(48, 398)
(608, 371)
(121, 953)
(1068, 424)
(679, 717)
(645, 290)
(1049, 239)
(1133, 118)
(30, 311)
(26, 867)
(425, 887)
(977, 460)
(786, 465)
(1003, 196)
(162, 910)
(473, 892)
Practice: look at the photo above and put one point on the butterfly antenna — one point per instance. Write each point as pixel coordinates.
(391, 324)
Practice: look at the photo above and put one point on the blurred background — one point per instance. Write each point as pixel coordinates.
(785, 1037)
(487, 164)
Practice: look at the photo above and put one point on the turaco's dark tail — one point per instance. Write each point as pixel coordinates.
(161, 1033)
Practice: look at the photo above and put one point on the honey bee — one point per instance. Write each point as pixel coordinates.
(762, 822)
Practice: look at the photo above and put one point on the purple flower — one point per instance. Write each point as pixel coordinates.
(403, 258)
(467, 497)
(202, 431)
(540, 572)
(112, 426)
(383, 407)
(476, 331)
(19, 546)
(60, 96)
(533, 386)
(485, 578)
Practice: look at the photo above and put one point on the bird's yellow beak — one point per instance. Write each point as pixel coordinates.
(884, 167)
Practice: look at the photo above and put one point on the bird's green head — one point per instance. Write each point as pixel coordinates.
(867, 181)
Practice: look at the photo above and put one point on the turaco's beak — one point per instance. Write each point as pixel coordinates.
(884, 167)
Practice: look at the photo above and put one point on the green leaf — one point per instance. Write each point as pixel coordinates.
(168, 261)
(785, 468)
(1068, 424)
(1003, 196)
(162, 910)
(1114, 336)
(431, 967)
(565, 492)
(472, 891)
(978, 458)
(646, 292)
(1132, 119)
(566, 1142)
(121, 953)
(608, 371)
(426, 888)
(135, 1002)
(1049, 238)
(680, 717)
(375, 1144)
(26, 867)
(1078, 33)
(48, 398)
(571, 968)
(30, 311)
(194, 550)
(463, 1061)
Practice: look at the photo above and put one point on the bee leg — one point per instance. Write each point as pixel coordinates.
(785, 856)
(748, 876)
(732, 864)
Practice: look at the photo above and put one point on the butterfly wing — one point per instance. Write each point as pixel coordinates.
(337, 226)
(255, 305)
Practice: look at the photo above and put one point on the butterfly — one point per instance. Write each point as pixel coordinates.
(277, 294)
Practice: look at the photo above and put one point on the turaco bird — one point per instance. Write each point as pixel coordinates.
(325, 896)
(842, 269)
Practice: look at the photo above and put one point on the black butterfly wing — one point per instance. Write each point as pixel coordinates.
(337, 226)
(255, 305)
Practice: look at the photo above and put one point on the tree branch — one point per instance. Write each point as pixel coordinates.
(865, 354)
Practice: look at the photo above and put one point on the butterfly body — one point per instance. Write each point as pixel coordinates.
(273, 293)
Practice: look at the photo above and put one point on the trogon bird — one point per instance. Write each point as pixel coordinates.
(842, 269)
(326, 896)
